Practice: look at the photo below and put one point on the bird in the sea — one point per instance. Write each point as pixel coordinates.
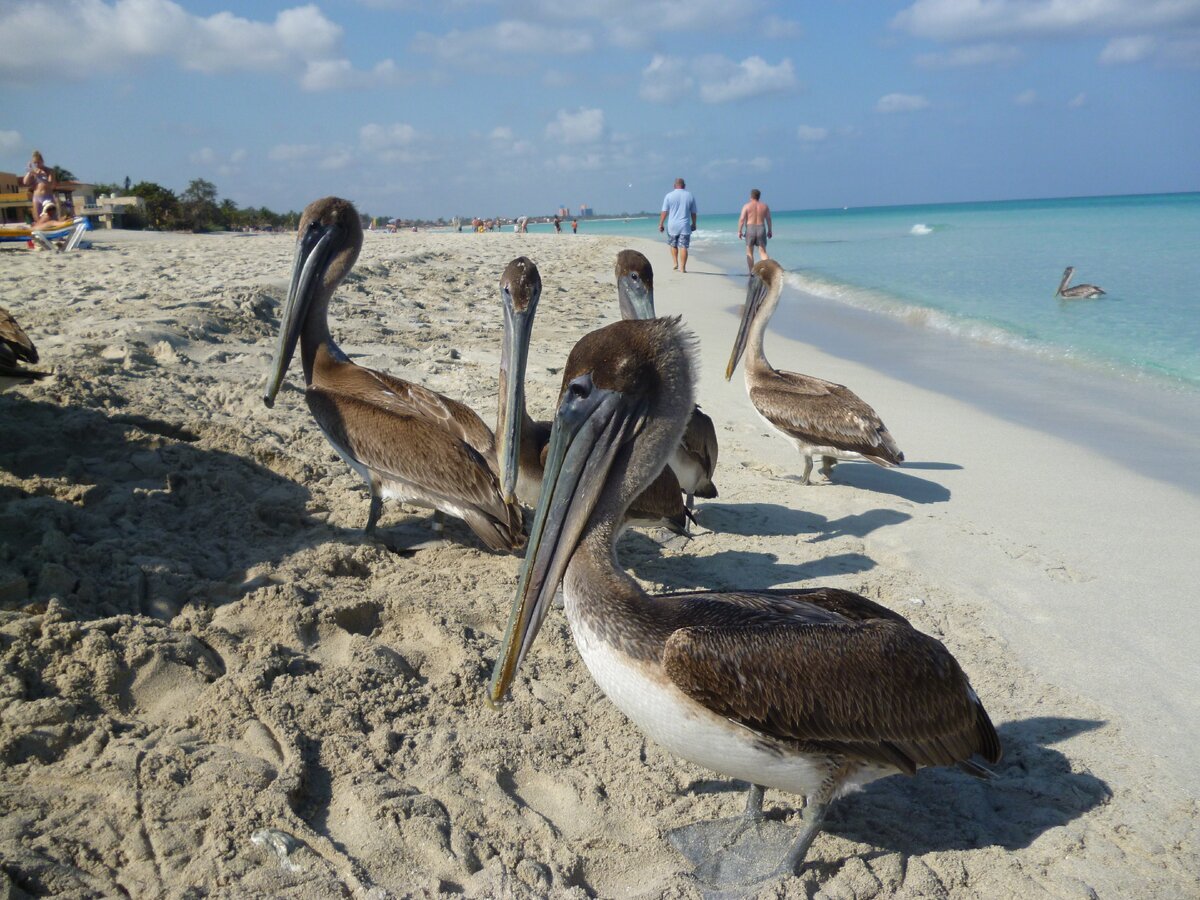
(811, 691)
(522, 441)
(695, 459)
(16, 348)
(407, 442)
(821, 418)
(1080, 291)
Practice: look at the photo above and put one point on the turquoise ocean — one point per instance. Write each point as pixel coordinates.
(987, 272)
(959, 299)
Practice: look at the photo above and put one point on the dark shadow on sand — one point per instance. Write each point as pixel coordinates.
(737, 569)
(132, 515)
(1033, 790)
(870, 477)
(774, 520)
(942, 808)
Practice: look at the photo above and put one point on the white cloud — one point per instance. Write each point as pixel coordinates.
(665, 80)
(776, 28)
(510, 36)
(971, 55)
(501, 133)
(1127, 49)
(584, 126)
(293, 152)
(724, 81)
(965, 20)
(811, 134)
(376, 138)
(1077, 101)
(10, 141)
(572, 162)
(718, 166)
(896, 103)
(1026, 98)
(205, 156)
(120, 35)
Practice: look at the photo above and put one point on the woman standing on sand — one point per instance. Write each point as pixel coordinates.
(41, 180)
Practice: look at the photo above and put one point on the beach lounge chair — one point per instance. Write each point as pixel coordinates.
(70, 232)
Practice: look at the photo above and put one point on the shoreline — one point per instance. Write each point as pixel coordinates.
(192, 616)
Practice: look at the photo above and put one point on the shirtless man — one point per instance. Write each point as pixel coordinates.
(754, 225)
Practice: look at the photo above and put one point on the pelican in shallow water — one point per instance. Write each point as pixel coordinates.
(408, 443)
(809, 691)
(821, 418)
(16, 348)
(1080, 291)
(522, 441)
(695, 459)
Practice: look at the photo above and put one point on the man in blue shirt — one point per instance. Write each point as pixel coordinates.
(679, 214)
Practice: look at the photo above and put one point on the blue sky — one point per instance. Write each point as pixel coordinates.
(478, 107)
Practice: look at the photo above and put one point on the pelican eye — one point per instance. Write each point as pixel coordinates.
(580, 388)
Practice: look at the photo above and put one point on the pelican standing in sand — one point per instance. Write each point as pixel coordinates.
(695, 459)
(821, 418)
(16, 348)
(522, 441)
(809, 691)
(1080, 291)
(408, 443)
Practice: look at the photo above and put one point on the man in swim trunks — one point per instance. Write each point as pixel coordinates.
(754, 225)
(679, 214)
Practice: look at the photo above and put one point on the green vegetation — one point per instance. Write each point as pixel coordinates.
(196, 209)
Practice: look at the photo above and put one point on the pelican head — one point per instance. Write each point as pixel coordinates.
(635, 285)
(628, 390)
(520, 290)
(327, 245)
(1066, 279)
(766, 284)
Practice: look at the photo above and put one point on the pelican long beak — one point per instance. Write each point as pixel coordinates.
(589, 430)
(636, 298)
(518, 328)
(756, 290)
(313, 254)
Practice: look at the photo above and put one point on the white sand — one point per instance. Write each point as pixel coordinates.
(196, 643)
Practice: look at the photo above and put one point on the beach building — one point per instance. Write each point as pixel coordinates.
(76, 197)
(585, 211)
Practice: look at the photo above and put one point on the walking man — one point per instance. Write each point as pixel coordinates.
(754, 225)
(679, 214)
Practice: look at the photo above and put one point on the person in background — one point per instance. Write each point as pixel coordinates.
(40, 180)
(574, 226)
(557, 225)
(754, 225)
(679, 216)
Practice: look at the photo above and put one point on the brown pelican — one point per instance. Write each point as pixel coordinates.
(695, 459)
(16, 348)
(821, 418)
(522, 441)
(407, 442)
(1080, 291)
(809, 691)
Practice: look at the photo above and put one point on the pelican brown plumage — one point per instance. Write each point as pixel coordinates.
(523, 441)
(812, 691)
(1079, 291)
(407, 442)
(695, 459)
(821, 418)
(16, 348)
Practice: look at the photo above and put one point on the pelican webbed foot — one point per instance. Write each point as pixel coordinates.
(827, 464)
(747, 851)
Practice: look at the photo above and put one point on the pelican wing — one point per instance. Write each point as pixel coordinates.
(15, 339)
(423, 457)
(876, 690)
(822, 413)
(403, 398)
(700, 442)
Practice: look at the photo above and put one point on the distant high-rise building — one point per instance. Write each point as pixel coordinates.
(585, 210)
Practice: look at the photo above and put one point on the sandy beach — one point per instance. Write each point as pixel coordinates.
(203, 659)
